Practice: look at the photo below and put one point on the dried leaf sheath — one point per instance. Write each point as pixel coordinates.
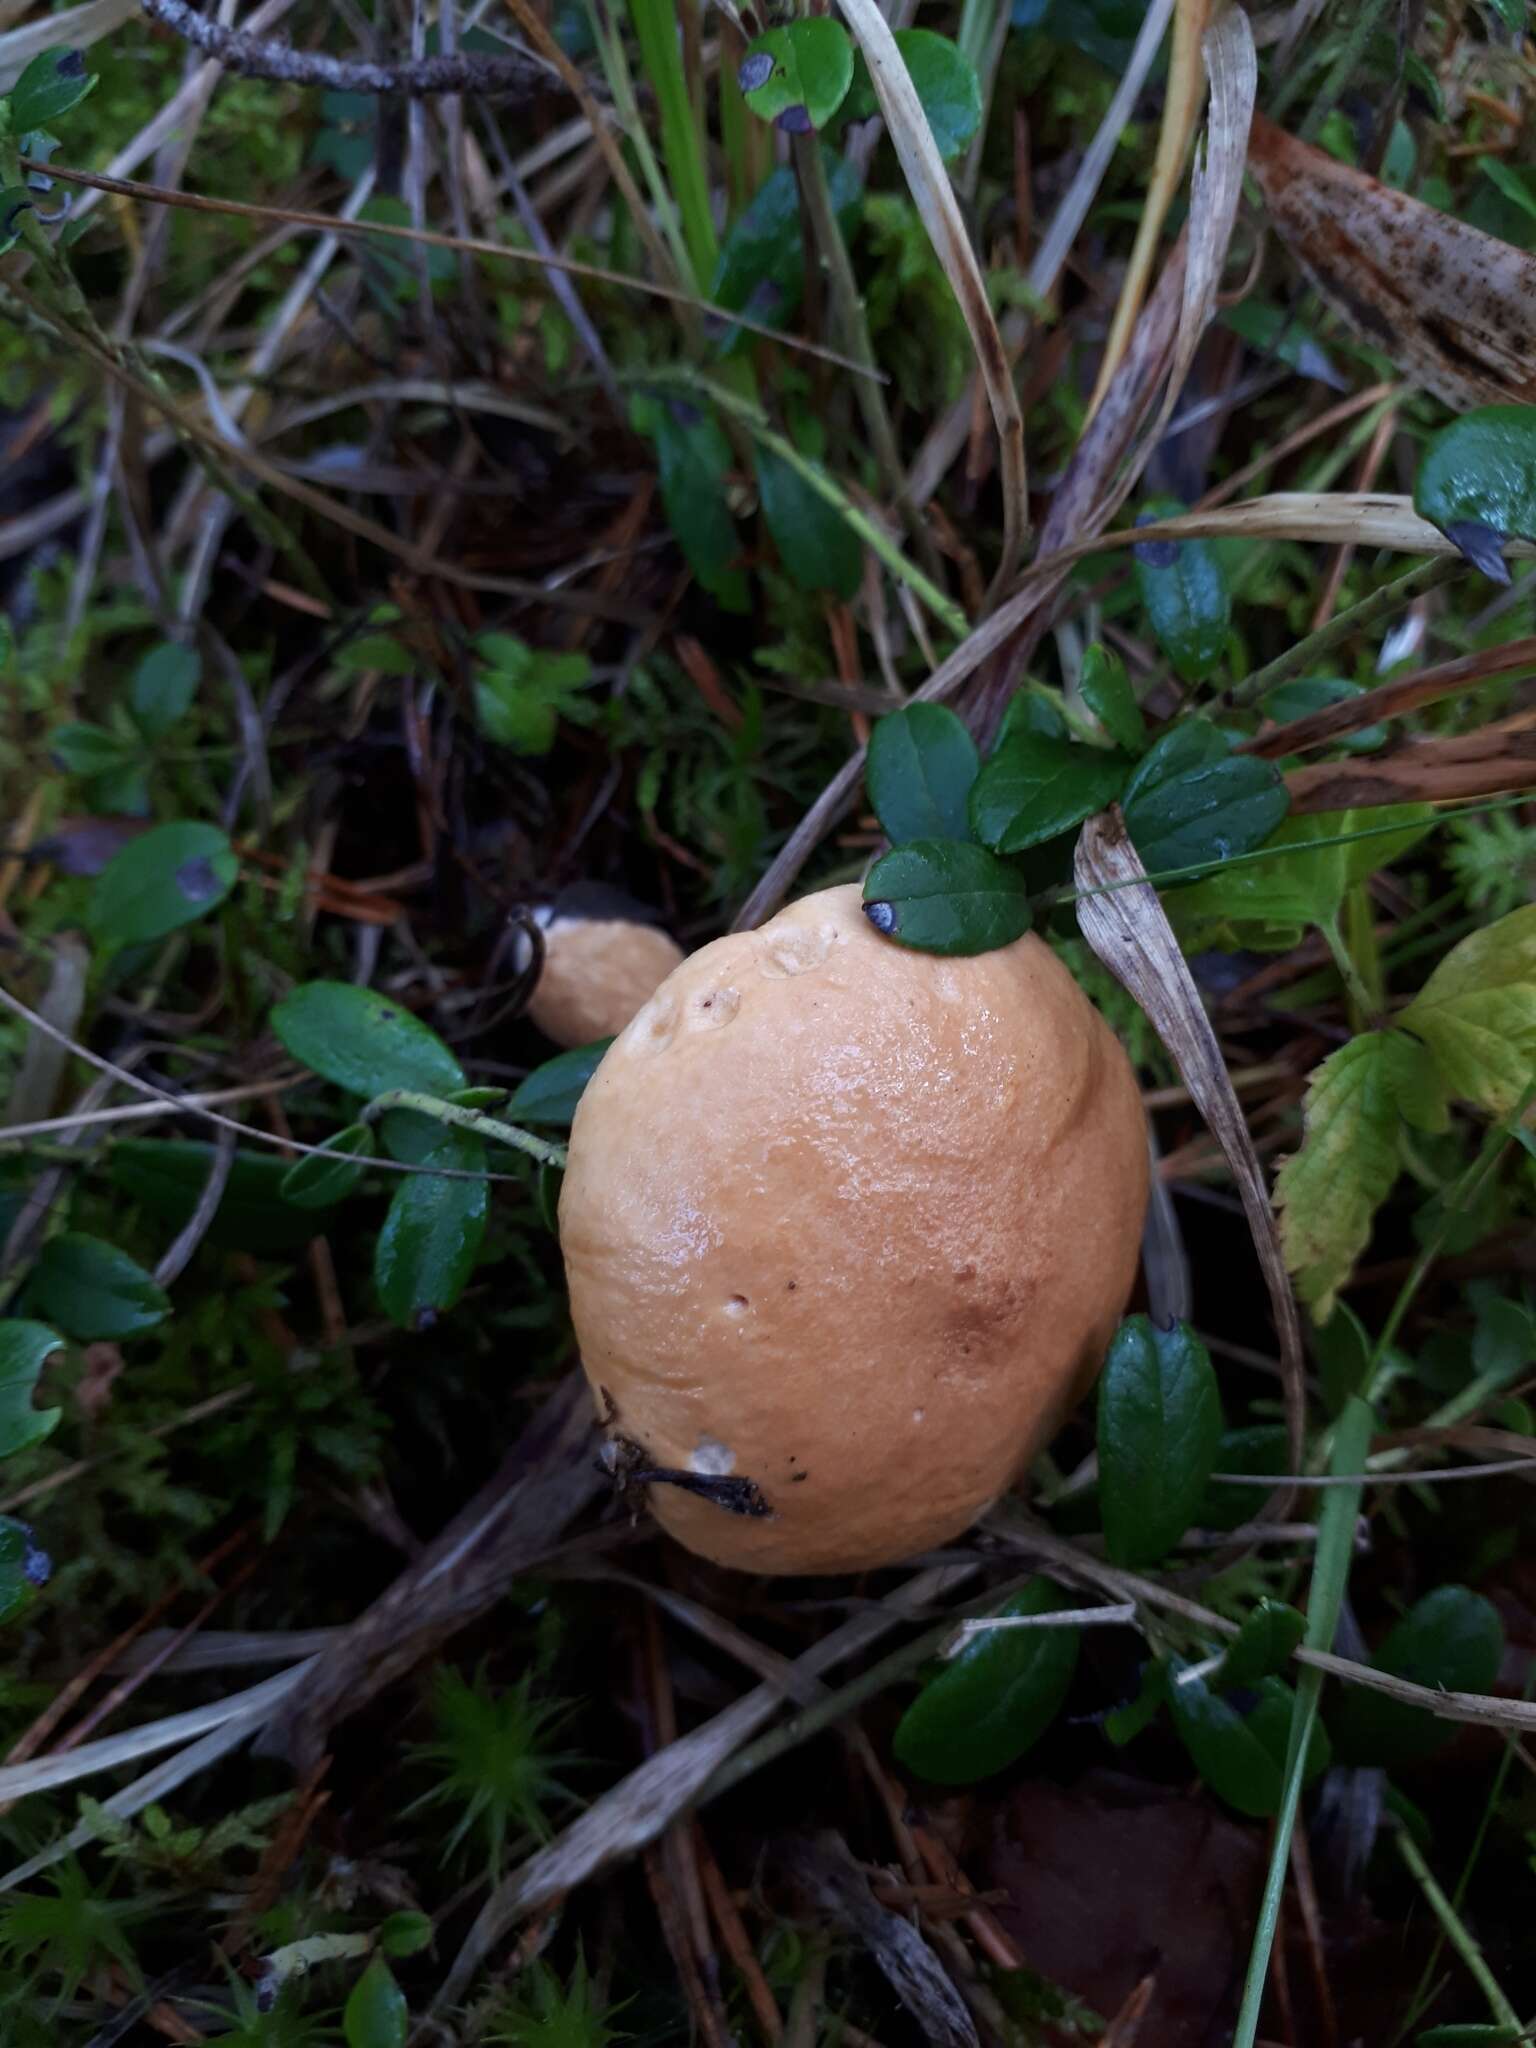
(1453, 308)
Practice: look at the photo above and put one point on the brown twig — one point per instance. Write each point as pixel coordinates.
(521, 74)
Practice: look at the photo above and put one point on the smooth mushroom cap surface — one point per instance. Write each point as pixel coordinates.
(597, 973)
(853, 1223)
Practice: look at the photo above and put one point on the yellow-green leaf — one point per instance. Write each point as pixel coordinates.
(1477, 1014)
(1329, 1192)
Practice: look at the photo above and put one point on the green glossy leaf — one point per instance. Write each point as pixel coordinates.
(922, 763)
(1263, 1645)
(1159, 1428)
(1106, 690)
(168, 1176)
(169, 877)
(1185, 595)
(94, 1291)
(90, 750)
(23, 1568)
(995, 1699)
(433, 1230)
(1124, 1723)
(1303, 695)
(362, 1041)
(376, 2014)
(549, 1094)
(816, 544)
(796, 76)
(51, 84)
(24, 1350)
(694, 459)
(317, 1181)
(945, 81)
(1031, 787)
(761, 267)
(1477, 483)
(1453, 1640)
(1237, 1741)
(163, 686)
(944, 896)
(1191, 799)
(405, 1934)
(1260, 1448)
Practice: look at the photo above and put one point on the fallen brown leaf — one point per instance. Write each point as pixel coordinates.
(1451, 306)
(1497, 758)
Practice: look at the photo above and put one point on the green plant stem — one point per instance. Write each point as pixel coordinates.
(1335, 1542)
(816, 196)
(1363, 1008)
(462, 1119)
(656, 30)
(616, 75)
(1458, 1934)
(1368, 612)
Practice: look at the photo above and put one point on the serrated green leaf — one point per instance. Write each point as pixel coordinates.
(51, 84)
(1328, 1192)
(1477, 483)
(1158, 1431)
(1268, 904)
(816, 544)
(993, 1700)
(1477, 1014)
(549, 1094)
(797, 76)
(1237, 1741)
(1453, 1640)
(362, 1041)
(946, 896)
(163, 686)
(1032, 787)
(24, 1350)
(376, 2014)
(1190, 799)
(693, 458)
(1106, 690)
(1185, 595)
(434, 1227)
(94, 1291)
(922, 763)
(169, 877)
(317, 1181)
(1262, 1646)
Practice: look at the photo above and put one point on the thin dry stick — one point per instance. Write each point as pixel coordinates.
(520, 75)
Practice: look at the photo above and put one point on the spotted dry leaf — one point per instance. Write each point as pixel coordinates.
(1455, 309)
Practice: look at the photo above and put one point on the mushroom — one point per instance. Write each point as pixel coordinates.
(604, 957)
(848, 1229)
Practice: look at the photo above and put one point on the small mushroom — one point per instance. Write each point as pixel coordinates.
(604, 957)
(853, 1224)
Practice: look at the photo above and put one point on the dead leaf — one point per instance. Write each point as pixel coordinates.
(1497, 758)
(1452, 307)
(1391, 700)
(1123, 920)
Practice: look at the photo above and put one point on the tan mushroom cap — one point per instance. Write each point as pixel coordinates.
(853, 1223)
(597, 972)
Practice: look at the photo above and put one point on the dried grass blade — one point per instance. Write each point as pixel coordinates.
(77, 27)
(1451, 306)
(1499, 757)
(638, 1809)
(1181, 110)
(1125, 923)
(935, 200)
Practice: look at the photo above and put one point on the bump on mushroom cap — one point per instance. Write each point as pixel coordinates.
(853, 1223)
